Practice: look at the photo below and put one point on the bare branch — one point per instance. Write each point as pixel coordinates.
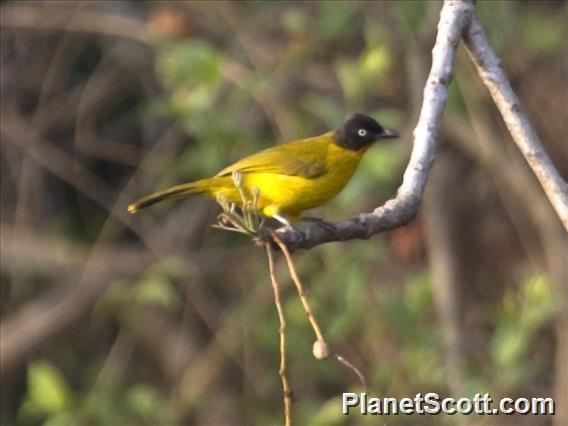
(320, 349)
(70, 19)
(403, 208)
(25, 329)
(522, 131)
(29, 252)
(324, 352)
(282, 371)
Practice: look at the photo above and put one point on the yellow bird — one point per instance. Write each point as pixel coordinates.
(291, 177)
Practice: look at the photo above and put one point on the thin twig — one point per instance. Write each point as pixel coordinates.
(321, 349)
(300, 288)
(28, 328)
(352, 367)
(230, 220)
(288, 395)
(68, 19)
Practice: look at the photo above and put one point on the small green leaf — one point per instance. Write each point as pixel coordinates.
(294, 21)
(418, 295)
(347, 74)
(374, 62)
(508, 345)
(539, 303)
(335, 19)
(188, 63)
(156, 290)
(143, 399)
(48, 391)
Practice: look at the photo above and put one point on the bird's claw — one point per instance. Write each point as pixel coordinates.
(300, 235)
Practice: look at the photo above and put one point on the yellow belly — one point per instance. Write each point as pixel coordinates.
(291, 195)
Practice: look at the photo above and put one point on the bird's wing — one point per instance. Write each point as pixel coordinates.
(305, 158)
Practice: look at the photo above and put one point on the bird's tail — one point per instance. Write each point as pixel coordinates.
(203, 186)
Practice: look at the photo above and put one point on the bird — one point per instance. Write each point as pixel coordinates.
(288, 178)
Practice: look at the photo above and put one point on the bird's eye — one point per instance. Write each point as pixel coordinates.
(362, 133)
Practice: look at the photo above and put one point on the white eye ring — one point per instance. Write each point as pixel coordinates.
(362, 132)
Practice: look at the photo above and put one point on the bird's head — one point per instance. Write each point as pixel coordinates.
(360, 131)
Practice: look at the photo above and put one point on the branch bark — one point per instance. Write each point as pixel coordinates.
(403, 208)
(521, 130)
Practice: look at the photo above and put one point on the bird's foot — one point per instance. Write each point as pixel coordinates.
(300, 235)
(288, 226)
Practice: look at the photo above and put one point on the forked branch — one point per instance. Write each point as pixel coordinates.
(457, 20)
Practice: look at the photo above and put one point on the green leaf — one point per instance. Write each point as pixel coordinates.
(539, 303)
(190, 63)
(144, 400)
(192, 71)
(381, 162)
(294, 21)
(523, 312)
(374, 62)
(508, 345)
(347, 74)
(418, 295)
(48, 391)
(336, 19)
(156, 290)
(359, 78)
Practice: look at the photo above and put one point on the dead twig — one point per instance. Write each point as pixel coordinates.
(282, 371)
(247, 220)
(352, 367)
(321, 349)
(68, 19)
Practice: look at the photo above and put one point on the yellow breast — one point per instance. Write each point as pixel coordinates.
(291, 195)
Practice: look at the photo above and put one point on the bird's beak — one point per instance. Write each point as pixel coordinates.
(388, 134)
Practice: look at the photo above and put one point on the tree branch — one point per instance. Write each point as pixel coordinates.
(74, 20)
(523, 133)
(457, 19)
(403, 208)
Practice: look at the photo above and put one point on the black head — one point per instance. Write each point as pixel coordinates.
(359, 131)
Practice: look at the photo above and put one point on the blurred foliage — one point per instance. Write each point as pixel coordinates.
(522, 314)
(234, 86)
(49, 398)
(48, 391)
